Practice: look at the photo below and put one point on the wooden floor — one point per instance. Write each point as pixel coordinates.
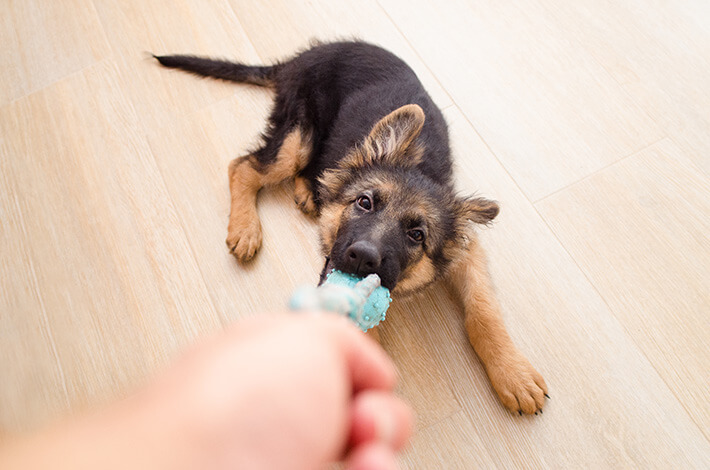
(588, 120)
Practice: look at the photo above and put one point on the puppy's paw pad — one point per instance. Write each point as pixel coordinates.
(520, 387)
(244, 241)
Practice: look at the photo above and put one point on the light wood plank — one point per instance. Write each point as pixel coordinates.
(423, 382)
(659, 53)
(279, 28)
(114, 269)
(651, 263)
(453, 443)
(45, 41)
(33, 388)
(177, 27)
(549, 112)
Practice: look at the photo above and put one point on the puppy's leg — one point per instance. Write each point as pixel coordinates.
(520, 387)
(244, 230)
(280, 159)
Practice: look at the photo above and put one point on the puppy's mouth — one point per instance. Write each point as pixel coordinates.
(327, 268)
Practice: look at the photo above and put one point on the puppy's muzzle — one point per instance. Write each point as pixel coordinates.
(362, 258)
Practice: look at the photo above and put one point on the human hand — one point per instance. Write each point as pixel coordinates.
(290, 392)
(283, 392)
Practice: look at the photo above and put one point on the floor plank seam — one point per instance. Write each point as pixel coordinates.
(33, 91)
(416, 53)
(438, 421)
(498, 160)
(600, 170)
(52, 83)
(262, 59)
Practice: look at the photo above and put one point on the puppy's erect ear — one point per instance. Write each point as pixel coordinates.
(477, 209)
(392, 136)
(390, 142)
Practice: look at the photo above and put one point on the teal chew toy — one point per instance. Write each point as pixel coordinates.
(364, 301)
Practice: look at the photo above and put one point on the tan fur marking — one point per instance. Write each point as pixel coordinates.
(244, 230)
(331, 181)
(292, 157)
(418, 275)
(245, 181)
(329, 223)
(386, 188)
(303, 195)
(519, 386)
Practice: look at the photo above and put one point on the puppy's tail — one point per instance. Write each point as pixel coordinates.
(261, 75)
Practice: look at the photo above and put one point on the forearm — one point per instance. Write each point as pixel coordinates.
(126, 435)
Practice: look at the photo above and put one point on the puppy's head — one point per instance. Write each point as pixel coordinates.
(382, 215)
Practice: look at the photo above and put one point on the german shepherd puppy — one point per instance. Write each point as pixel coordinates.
(368, 151)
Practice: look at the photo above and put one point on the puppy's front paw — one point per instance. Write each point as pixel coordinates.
(244, 237)
(519, 386)
(303, 196)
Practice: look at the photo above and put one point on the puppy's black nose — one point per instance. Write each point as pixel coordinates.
(362, 258)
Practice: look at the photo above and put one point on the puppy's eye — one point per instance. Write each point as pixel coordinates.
(416, 235)
(364, 202)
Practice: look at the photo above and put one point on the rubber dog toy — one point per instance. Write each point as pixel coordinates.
(364, 301)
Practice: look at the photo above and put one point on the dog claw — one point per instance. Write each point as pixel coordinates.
(520, 412)
(547, 396)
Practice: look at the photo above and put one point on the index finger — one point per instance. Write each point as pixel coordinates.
(367, 363)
